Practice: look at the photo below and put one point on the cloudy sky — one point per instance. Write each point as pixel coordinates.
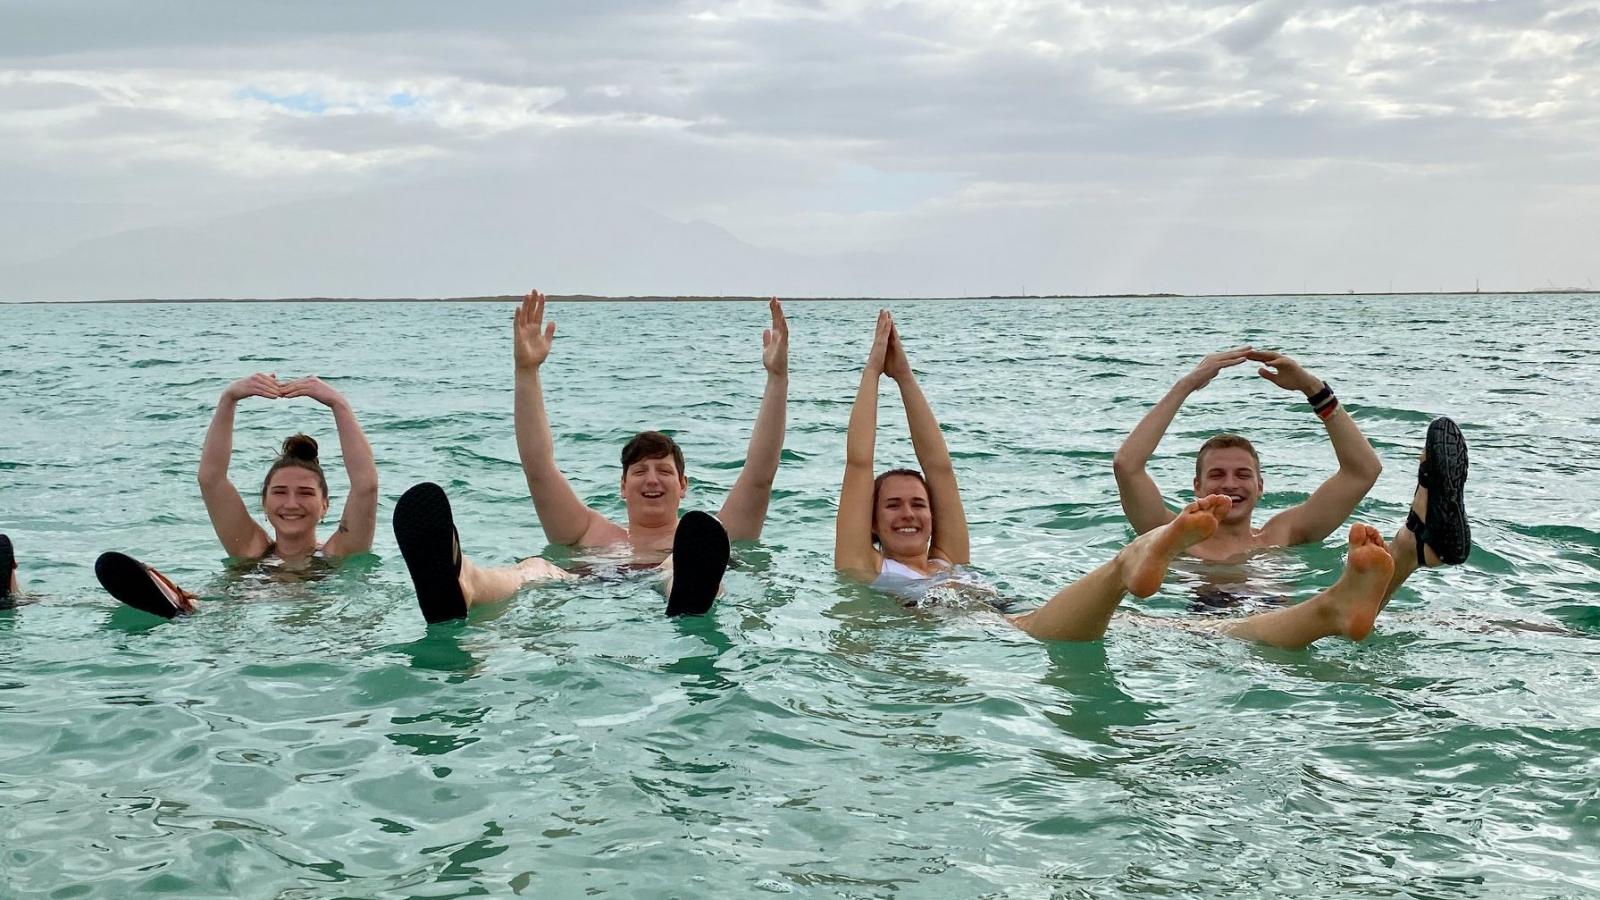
(800, 147)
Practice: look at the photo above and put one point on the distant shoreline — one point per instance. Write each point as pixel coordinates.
(593, 298)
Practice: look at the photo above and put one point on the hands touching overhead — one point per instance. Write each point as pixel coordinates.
(1212, 366)
(266, 384)
(1284, 372)
(261, 384)
(888, 354)
(1277, 368)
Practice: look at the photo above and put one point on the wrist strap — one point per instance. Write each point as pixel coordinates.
(1324, 402)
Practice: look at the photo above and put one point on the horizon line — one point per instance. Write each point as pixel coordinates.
(739, 298)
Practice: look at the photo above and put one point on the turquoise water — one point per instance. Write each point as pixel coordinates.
(810, 738)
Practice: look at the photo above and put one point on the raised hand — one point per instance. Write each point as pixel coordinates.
(533, 334)
(261, 384)
(1215, 363)
(774, 342)
(895, 363)
(880, 344)
(313, 387)
(1284, 372)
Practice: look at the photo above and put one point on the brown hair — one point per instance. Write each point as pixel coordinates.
(299, 452)
(1222, 442)
(877, 485)
(651, 445)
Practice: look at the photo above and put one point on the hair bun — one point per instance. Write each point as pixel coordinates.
(300, 446)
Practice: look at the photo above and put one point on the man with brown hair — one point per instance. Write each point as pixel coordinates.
(1435, 533)
(692, 552)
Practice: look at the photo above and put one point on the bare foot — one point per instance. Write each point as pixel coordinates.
(181, 599)
(1353, 602)
(1144, 562)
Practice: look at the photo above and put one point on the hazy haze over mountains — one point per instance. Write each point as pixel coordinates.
(254, 149)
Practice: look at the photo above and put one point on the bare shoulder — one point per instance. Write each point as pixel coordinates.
(602, 532)
(1279, 531)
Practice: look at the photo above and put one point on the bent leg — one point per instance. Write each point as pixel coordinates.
(1349, 608)
(482, 585)
(1438, 517)
(1082, 610)
(1403, 548)
(141, 586)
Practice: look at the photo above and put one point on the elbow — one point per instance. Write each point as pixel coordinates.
(1364, 473)
(1372, 470)
(1122, 466)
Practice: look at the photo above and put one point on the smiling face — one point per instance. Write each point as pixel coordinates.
(902, 517)
(294, 501)
(652, 489)
(1234, 472)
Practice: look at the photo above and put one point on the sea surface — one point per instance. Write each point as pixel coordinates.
(809, 738)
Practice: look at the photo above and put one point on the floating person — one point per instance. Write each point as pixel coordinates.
(294, 496)
(905, 532)
(1435, 533)
(691, 552)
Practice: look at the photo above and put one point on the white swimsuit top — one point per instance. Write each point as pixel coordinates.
(948, 585)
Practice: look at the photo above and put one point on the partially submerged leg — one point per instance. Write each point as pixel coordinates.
(1349, 608)
(1082, 610)
(1436, 531)
(481, 585)
(448, 583)
(141, 586)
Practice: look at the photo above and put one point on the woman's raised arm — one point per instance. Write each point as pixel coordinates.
(853, 553)
(359, 520)
(950, 540)
(241, 536)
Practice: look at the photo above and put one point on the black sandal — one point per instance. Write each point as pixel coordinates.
(699, 557)
(1443, 472)
(134, 583)
(426, 532)
(8, 564)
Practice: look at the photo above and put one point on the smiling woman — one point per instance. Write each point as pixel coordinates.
(294, 496)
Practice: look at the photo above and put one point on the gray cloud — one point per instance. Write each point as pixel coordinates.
(846, 130)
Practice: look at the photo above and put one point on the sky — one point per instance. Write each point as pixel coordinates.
(796, 147)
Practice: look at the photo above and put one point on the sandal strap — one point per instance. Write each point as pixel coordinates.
(1418, 527)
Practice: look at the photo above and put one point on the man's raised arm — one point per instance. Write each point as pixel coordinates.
(745, 510)
(1359, 467)
(1141, 499)
(565, 518)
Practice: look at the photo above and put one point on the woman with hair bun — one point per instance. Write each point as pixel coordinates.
(294, 496)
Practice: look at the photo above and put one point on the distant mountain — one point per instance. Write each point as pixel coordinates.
(436, 239)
